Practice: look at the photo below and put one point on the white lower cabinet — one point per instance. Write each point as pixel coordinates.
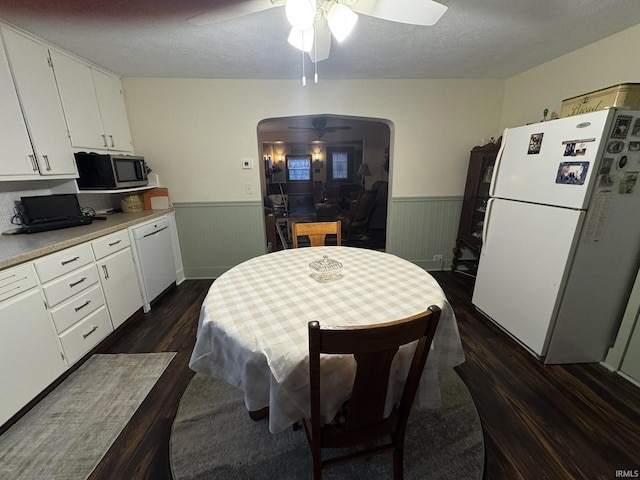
(73, 293)
(114, 260)
(631, 362)
(86, 334)
(120, 285)
(71, 312)
(30, 357)
(55, 309)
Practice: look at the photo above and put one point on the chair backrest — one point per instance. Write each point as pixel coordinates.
(364, 206)
(317, 232)
(374, 348)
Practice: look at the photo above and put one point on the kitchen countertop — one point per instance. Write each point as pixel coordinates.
(20, 248)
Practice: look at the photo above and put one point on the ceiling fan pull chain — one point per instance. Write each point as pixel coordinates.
(315, 55)
(304, 78)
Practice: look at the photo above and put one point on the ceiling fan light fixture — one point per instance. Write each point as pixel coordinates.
(341, 21)
(301, 39)
(414, 12)
(300, 13)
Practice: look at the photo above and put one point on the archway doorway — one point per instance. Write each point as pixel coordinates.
(316, 167)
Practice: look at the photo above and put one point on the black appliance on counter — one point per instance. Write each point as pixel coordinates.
(51, 212)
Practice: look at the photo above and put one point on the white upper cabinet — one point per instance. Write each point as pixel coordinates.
(93, 105)
(38, 93)
(17, 157)
(78, 101)
(112, 111)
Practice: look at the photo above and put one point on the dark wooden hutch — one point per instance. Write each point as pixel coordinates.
(466, 253)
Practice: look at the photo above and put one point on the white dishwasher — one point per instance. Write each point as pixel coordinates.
(153, 254)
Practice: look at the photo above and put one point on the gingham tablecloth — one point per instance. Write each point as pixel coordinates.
(252, 331)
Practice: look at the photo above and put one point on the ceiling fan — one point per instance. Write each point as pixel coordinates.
(320, 127)
(322, 19)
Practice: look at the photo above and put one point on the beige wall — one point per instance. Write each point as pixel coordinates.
(608, 62)
(195, 132)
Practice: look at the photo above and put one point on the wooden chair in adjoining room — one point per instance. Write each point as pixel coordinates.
(317, 232)
(373, 347)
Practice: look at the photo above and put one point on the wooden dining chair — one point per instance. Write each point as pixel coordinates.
(361, 421)
(316, 231)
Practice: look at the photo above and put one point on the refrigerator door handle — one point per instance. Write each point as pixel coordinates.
(485, 226)
(496, 165)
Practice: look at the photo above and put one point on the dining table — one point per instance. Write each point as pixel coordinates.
(253, 327)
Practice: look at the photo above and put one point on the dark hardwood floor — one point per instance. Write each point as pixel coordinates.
(540, 422)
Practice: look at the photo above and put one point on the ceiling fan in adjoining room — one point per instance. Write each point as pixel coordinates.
(315, 22)
(319, 125)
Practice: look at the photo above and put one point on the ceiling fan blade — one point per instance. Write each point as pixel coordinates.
(413, 12)
(230, 10)
(322, 45)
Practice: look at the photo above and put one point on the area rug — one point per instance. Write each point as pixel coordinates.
(67, 433)
(213, 438)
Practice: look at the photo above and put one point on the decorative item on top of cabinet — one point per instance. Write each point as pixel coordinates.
(93, 105)
(474, 204)
(35, 84)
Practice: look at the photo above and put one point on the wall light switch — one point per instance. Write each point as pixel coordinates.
(247, 164)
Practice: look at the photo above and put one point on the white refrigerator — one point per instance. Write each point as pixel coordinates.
(561, 236)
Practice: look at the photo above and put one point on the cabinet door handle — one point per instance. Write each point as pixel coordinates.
(106, 272)
(77, 309)
(71, 285)
(112, 144)
(64, 262)
(85, 335)
(46, 160)
(34, 163)
(104, 139)
(114, 243)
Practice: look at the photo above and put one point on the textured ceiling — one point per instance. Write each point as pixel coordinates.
(474, 38)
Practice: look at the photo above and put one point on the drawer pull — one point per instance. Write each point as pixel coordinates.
(114, 243)
(104, 139)
(65, 262)
(12, 289)
(106, 272)
(13, 275)
(85, 335)
(82, 306)
(71, 285)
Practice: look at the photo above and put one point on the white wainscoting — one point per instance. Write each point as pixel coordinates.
(216, 236)
(421, 227)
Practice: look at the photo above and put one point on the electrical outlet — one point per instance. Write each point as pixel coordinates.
(437, 257)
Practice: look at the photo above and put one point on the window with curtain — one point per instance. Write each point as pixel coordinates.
(299, 168)
(340, 166)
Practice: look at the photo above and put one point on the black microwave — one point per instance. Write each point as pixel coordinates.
(106, 171)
